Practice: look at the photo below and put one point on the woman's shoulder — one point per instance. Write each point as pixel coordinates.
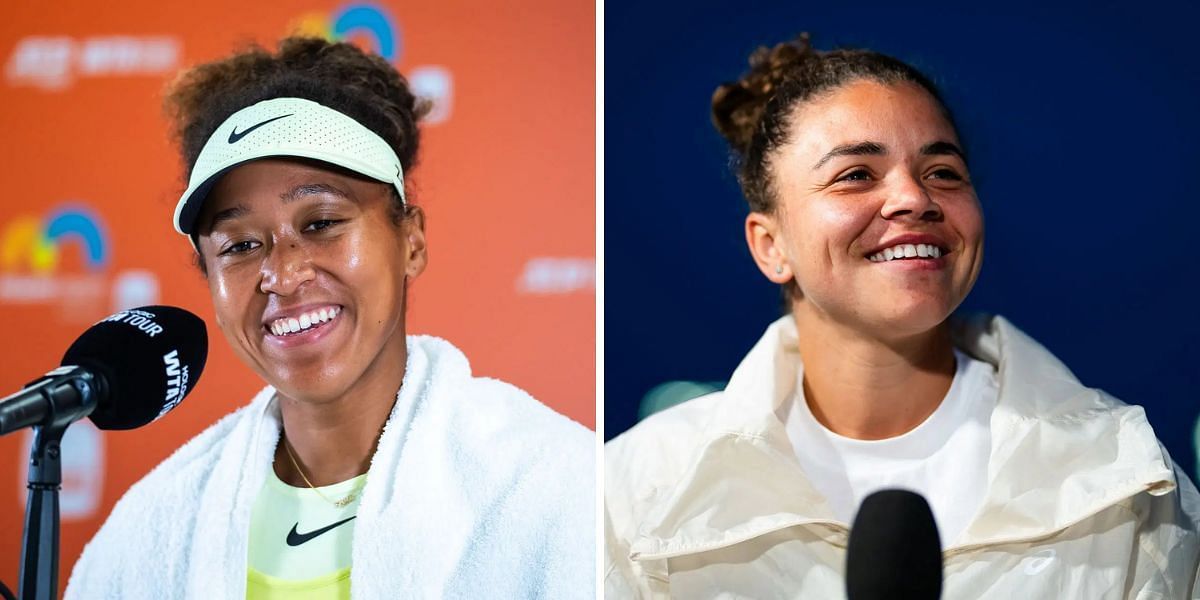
(655, 452)
(137, 528)
(644, 463)
(1032, 381)
(493, 443)
(492, 409)
(516, 439)
(509, 406)
(494, 431)
(1168, 527)
(192, 462)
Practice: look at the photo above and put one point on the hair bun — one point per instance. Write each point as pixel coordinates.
(737, 106)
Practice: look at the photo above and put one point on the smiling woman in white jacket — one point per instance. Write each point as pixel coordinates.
(862, 207)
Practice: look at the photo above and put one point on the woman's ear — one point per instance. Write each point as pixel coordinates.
(763, 236)
(413, 230)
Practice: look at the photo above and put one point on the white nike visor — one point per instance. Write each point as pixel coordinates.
(286, 127)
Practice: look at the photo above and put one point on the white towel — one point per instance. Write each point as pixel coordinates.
(476, 490)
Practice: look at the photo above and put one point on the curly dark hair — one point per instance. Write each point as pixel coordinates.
(753, 114)
(338, 75)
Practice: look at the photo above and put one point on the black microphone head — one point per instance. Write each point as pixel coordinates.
(148, 359)
(894, 551)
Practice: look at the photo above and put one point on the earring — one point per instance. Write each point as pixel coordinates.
(779, 269)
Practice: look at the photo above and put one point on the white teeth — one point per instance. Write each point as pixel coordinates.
(906, 251)
(302, 322)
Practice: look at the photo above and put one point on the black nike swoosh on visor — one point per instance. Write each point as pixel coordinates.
(235, 136)
(295, 538)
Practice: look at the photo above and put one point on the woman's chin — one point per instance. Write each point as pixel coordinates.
(313, 390)
(907, 320)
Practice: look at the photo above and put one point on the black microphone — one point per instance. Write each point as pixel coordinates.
(124, 372)
(894, 551)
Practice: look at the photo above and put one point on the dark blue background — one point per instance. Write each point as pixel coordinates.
(1084, 138)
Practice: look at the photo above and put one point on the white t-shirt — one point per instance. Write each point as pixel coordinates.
(945, 458)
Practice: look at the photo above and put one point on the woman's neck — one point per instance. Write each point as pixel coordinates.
(862, 387)
(334, 440)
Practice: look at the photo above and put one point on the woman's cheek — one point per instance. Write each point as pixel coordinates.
(830, 223)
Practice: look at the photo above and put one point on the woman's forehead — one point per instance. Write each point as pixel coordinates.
(288, 180)
(897, 116)
(266, 183)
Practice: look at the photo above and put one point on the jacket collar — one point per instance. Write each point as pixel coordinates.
(744, 480)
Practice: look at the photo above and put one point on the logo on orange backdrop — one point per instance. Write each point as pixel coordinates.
(550, 275)
(64, 257)
(371, 27)
(366, 25)
(53, 63)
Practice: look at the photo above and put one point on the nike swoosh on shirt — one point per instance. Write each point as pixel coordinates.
(295, 538)
(235, 136)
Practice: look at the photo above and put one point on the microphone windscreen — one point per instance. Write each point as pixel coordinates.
(894, 550)
(148, 359)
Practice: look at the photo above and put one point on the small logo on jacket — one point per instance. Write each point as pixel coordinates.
(1039, 561)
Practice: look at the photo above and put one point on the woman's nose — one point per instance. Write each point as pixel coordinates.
(286, 267)
(908, 198)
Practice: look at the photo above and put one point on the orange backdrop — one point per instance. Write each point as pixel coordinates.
(90, 181)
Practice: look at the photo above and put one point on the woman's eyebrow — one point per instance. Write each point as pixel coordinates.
(940, 147)
(943, 148)
(854, 149)
(300, 191)
(308, 189)
(229, 214)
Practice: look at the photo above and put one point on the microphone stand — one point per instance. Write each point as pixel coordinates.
(39, 547)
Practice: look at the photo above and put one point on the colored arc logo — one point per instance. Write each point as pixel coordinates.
(352, 21)
(34, 244)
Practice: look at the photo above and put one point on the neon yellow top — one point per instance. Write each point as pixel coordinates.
(300, 543)
(335, 585)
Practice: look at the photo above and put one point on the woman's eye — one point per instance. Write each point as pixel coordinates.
(321, 224)
(855, 175)
(239, 248)
(946, 174)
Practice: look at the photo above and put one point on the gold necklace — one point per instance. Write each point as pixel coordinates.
(339, 503)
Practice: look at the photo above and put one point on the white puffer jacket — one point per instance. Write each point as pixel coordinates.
(707, 499)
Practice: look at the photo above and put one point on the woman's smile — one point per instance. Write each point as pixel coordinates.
(302, 325)
(911, 263)
(911, 252)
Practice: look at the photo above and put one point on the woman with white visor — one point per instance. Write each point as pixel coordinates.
(373, 465)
